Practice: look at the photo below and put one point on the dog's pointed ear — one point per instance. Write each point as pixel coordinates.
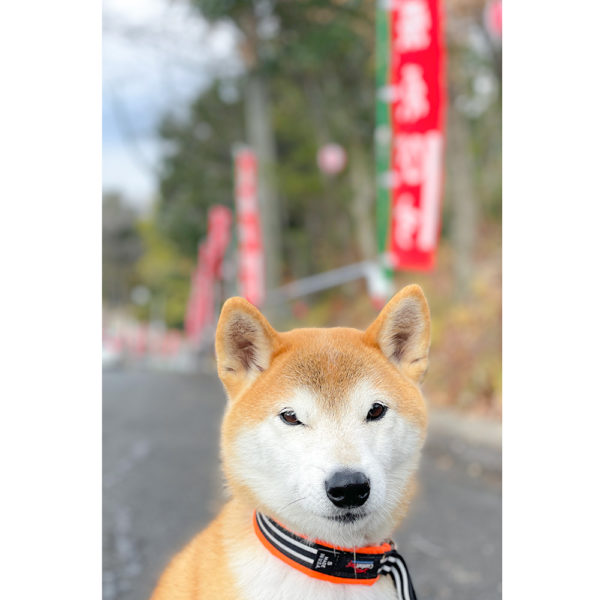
(402, 332)
(244, 344)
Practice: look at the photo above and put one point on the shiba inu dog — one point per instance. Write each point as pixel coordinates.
(320, 442)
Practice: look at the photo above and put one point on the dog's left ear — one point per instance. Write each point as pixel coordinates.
(244, 344)
(402, 332)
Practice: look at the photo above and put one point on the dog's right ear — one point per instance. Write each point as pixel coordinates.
(245, 342)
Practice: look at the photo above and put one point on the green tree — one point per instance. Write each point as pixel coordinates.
(318, 67)
(166, 272)
(196, 171)
(315, 63)
(252, 19)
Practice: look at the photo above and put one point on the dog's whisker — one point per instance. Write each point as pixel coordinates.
(293, 502)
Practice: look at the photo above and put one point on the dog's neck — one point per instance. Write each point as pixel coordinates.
(345, 566)
(257, 569)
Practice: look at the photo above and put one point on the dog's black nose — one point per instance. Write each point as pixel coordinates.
(348, 489)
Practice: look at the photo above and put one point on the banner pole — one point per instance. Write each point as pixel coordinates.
(383, 149)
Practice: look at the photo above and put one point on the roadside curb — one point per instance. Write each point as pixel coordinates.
(471, 441)
(473, 430)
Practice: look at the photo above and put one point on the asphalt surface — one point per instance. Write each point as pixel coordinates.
(162, 484)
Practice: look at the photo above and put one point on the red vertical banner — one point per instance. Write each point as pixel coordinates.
(219, 235)
(251, 269)
(201, 304)
(417, 98)
(197, 313)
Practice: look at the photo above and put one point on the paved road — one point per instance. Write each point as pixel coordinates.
(162, 484)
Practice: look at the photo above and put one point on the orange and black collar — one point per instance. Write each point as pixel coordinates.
(332, 563)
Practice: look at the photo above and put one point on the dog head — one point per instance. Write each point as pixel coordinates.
(324, 427)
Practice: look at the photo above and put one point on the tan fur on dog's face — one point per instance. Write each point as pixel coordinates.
(330, 378)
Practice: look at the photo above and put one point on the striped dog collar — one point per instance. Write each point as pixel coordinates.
(332, 563)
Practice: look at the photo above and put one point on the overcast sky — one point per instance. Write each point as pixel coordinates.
(157, 56)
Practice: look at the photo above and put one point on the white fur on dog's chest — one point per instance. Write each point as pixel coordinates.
(261, 576)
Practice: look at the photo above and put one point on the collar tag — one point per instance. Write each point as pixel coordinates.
(347, 564)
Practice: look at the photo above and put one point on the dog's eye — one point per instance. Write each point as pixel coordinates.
(376, 412)
(289, 418)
